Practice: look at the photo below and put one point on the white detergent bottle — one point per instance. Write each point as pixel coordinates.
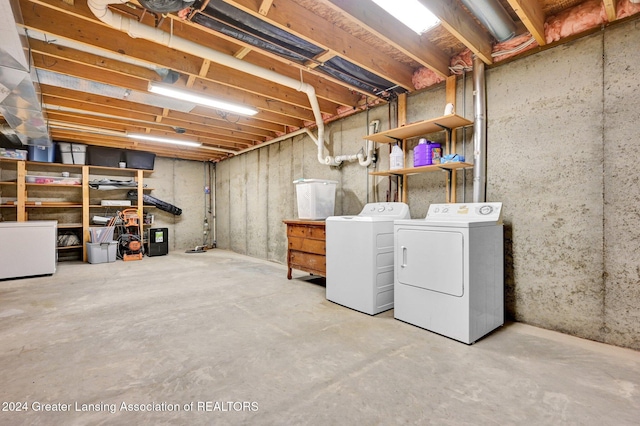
(396, 158)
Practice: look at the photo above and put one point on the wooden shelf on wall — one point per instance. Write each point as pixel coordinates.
(452, 121)
(54, 185)
(423, 169)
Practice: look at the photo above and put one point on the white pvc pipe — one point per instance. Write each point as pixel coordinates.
(137, 30)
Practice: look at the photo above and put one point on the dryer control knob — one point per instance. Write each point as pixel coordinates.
(381, 209)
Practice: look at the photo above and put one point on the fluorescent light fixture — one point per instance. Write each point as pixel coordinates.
(150, 138)
(412, 13)
(184, 95)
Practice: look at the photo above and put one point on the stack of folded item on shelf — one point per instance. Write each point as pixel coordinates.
(452, 158)
(106, 184)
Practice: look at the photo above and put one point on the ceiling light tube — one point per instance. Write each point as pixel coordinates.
(184, 95)
(150, 138)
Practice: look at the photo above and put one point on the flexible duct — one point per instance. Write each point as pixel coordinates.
(493, 16)
(479, 132)
(137, 30)
(20, 99)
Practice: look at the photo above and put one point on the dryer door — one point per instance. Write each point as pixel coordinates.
(431, 259)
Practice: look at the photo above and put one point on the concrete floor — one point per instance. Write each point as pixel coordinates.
(229, 338)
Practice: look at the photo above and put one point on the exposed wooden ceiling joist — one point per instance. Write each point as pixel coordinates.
(610, 9)
(299, 21)
(394, 33)
(61, 25)
(532, 16)
(463, 27)
(87, 60)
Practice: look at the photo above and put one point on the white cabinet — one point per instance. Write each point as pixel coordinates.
(27, 248)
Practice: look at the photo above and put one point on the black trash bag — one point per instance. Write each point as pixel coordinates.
(148, 199)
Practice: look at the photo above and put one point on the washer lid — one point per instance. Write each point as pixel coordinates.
(463, 213)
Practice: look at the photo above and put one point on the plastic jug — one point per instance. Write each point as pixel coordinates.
(421, 155)
(396, 158)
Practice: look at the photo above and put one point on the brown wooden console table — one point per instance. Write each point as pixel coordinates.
(306, 246)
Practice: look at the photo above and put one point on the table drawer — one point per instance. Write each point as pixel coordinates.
(307, 245)
(306, 231)
(308, 260)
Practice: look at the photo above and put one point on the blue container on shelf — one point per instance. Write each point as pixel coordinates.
(45, 154)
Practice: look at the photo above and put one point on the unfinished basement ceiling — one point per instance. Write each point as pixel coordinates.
(94, 78)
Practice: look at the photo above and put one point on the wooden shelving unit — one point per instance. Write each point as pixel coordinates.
(420, 128)
(448, 124)
(424, 169)
(79, 201)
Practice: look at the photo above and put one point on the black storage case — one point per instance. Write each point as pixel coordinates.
(158, 242)
(139, 159)
(103, 156)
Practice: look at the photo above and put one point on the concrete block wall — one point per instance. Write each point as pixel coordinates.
(562, 137)
(621, 185)
(181, 183)
(546, 166)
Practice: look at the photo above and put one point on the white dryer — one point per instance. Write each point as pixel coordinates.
(449, 270)
(359, 256)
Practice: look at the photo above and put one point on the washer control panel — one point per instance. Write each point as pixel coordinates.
(396, 210)
(466, 212)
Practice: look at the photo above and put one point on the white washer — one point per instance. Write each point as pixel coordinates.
(359, 257)
(449, 270)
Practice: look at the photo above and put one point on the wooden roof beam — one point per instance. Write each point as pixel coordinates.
(71, 27)
(377, 21)
(462, 26)
(244, 51)
(230, 139)
(233, 138)
(259, 86)
(610, 8)
(138, 117)
(100, 63)
(532, 16)
(264, 7)
(320, 58)
(293, 18)
(327, 87)
(227, 93)
(195, 154)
